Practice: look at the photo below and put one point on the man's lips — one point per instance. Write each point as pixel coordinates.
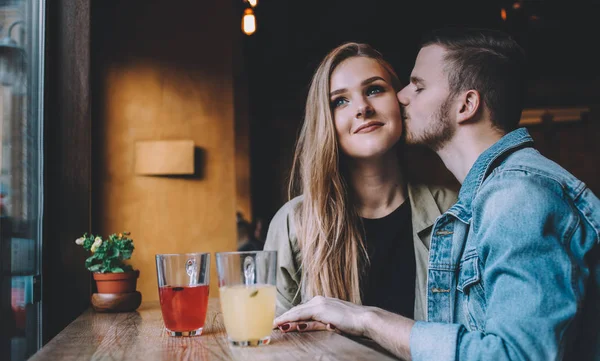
(368, 127)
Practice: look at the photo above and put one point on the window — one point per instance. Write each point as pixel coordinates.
(21, 187)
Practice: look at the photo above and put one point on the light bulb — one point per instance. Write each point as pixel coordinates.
(253, 3)
(248, 22)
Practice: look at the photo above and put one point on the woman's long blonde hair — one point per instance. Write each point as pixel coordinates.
(329, 228)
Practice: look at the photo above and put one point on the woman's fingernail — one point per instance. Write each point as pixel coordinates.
(302, 326)
(330, 326)
(284, 327)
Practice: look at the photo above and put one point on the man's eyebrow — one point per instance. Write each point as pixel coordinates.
(363, 83)
(416, 79)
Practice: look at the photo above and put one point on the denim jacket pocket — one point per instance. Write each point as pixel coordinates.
(473, 294)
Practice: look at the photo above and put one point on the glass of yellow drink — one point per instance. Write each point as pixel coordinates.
(247, 291)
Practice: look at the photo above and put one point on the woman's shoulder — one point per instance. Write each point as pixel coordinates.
(444, 195)
(288, 210)
(282, 228)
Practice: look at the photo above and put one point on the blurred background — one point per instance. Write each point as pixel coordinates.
(292, 37)
(97, 97)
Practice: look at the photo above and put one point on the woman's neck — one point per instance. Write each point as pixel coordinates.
(378, 185)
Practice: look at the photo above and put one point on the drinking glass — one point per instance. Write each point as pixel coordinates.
(183, 281)
(247, 291)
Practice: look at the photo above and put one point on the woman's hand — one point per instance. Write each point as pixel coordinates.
(389, 330)
(323, 313)
(305, 326)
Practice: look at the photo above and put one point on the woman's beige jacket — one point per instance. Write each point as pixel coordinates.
(427, 203)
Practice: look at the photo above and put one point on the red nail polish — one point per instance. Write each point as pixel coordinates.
(302, 326)
(285, 326)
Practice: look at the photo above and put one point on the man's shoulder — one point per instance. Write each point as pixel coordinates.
(528, 179)
(529, 163)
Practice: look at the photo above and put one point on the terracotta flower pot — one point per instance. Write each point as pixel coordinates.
(124, 282)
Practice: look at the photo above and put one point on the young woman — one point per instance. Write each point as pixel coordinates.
(358, 231)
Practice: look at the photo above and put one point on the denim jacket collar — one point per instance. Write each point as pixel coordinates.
(516, 139)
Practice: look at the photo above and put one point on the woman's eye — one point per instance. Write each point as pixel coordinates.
(375, 89)
(338, 102)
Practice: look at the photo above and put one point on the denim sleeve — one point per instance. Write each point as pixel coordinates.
(523, 226)
(434, 341)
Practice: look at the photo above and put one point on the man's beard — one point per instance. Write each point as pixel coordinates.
(440, 131)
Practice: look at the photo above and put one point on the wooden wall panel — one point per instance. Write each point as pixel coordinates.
(164, 72)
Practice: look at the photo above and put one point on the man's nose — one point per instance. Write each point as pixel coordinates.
(402, 98)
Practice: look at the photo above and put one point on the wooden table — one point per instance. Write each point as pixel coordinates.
(141, 336)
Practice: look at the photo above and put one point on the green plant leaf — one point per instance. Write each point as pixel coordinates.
(126, 254)
(89, 260)
(87, 242)
(110, 256)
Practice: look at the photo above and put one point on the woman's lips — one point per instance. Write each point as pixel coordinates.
(368, 127)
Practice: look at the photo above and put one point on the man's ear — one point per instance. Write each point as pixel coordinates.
(467, 106)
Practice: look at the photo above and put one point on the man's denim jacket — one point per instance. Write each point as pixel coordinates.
(513, 265)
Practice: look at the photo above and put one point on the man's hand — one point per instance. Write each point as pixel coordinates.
(323, 313)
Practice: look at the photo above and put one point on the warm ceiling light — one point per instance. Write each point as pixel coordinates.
(248, 22)
(252, 3)
(517, 5)
(503, 14)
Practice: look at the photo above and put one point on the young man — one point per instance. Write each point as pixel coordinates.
(513, 267)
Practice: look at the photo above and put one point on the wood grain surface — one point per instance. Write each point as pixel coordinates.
(141, 336)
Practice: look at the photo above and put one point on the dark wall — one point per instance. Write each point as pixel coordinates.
(67, 163)
(575, 146)
(292, 37)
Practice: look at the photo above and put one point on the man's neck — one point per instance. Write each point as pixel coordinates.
(466, 146)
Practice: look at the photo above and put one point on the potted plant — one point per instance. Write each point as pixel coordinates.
(107, 262)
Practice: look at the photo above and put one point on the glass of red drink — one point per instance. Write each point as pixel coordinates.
(183, 281)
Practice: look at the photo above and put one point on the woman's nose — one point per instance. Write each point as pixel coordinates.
(364, 110)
